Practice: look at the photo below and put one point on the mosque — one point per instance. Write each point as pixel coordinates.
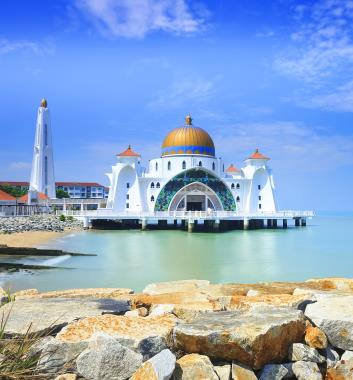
(190, 177)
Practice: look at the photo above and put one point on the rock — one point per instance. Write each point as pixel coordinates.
(343, 370)
(160, 367)
(139, 312)
(161, 310)
(301, 352)
(194, 366)
(107, 359)
(44, 315)
(274, 372)
(223, 370)
(334, 315)
(252, 292)
(332, 357)
(67, 376)
(347, 355)
(334, 283)
(304, 370)
(147, 335)
(253, 338)
(315, 338)
(175, 286)
(289, 368)
(242, 372)
(55, 355)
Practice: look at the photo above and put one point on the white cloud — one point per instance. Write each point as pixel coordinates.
(20, 165)
(7, 46)
(136, 18)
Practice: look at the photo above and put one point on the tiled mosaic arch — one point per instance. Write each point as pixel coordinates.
(194, 175)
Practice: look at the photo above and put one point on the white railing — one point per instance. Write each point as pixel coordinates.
(109, 213)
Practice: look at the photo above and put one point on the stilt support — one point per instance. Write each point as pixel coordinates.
(285, 223)
(274, 223)
(143, 224)
(216, 224)
(246, 224)
(191, 225)
(297, 222)
(269, 223)
(303, 222)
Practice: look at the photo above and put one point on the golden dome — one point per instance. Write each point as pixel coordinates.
(188, 140)
(44, 103)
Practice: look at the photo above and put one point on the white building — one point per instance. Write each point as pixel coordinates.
(189, 177)
(42, 175)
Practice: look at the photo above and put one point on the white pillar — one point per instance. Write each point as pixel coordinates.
(42, 174)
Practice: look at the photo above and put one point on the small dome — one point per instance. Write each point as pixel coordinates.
(188, 140)
(44, 103)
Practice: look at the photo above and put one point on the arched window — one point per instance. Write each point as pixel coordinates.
(156, 166)
(213, 166)
(238, 186)
(184, 165)
(169, 165)
(232, 186)
(152, 185)
(158, 185)
(238, 199)
(152, 198)
(200, 163)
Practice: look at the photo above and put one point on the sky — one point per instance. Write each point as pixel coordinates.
(275, 75)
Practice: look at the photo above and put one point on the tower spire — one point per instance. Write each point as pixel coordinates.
(42, 174)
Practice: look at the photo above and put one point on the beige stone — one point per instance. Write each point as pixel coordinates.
(175, 286)
(194, 367)
(343, 370)
(133, 328)
(67, 376)
(315, 337)
(242, 372)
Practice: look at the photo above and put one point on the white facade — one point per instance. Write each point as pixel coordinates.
(42, 175)
(189, 181)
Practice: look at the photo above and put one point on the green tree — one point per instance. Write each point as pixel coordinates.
(60, 193)
(13, 190)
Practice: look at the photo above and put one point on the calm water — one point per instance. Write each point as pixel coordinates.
(135, 258)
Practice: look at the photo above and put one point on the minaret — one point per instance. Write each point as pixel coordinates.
(42, 175)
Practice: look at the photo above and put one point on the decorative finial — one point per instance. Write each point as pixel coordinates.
(44, 103)
(188, 120)
(257, 150)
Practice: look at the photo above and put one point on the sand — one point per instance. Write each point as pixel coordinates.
(29, 239)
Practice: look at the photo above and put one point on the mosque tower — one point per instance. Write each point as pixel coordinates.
(42, 175)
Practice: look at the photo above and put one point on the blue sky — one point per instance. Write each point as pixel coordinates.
(277, 75)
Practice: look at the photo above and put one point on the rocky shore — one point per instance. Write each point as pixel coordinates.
(51, 223)
(190, 330)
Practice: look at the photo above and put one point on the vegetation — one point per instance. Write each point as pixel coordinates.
(13, 190)
(70, 218)
(60, 193)
(62, 218)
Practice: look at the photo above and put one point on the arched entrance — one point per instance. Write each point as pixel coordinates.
(198, 177)
(195, 197)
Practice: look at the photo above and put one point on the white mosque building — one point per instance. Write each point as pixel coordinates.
(190, 177)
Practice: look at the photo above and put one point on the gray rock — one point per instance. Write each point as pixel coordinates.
(45, 315)
(332, 356)
(223, 370)
(107, 359)
(347, 355)
(306, 371)
(289, 368)
(243, 336)
(55, 355)
(151, 346)
(334, 315)
(302, 352)
(160, 367)
(274, 372)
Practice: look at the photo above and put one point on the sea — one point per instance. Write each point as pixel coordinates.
(134, 258)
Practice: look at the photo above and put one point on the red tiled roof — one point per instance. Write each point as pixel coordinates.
(128, 153)
(6, 197)
(232, 169)
(78, 184)
(41, 196)
(14, 183)
(258, 156)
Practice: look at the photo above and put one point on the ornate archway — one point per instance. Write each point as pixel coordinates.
(193, 176)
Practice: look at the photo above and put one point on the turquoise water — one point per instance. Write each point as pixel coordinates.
(134, 258)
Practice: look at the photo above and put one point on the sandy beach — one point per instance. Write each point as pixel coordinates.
(29, 239)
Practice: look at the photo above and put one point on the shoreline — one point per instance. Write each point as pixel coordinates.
(30, 239)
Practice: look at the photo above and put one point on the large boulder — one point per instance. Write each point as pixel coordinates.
(334, 315)
(253, 338)
(315, 337)
(49, 315)
(159, 367)
(343, 370)
(194, 366)
(107, 359)
(146, 335)
(306, 371)
(223, 370)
